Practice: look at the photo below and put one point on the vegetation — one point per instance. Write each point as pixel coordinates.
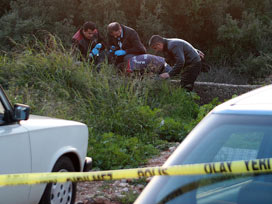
(129, 119)
(234, 34)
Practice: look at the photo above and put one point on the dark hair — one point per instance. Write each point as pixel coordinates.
(89, 25)
(114, 26)
(155, 39)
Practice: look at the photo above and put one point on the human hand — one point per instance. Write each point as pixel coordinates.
(112, 48)
(95, 51)
(201, 54)
(98, 46)
(164, 75)
(167, 68)
(120, 52)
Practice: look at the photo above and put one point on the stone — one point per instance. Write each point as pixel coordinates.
(171, 149)
(123, 180)
(123, 184)
(124, 190)
(140, 186)
(119, 195)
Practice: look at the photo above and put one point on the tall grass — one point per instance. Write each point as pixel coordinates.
(129, 119)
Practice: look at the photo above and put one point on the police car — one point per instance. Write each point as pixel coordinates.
(39, 144)
(240, 129)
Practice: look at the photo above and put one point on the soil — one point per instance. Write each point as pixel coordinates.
(118, 191)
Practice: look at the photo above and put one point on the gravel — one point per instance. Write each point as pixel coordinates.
(119, 191)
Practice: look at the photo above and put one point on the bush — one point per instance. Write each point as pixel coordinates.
(225, 75)
(173, 100)
(257, 67)
(28, 19)
(123, 114)
(114, 151)
(171, 130)
(149, 23)
(203, 111)
(241, 38)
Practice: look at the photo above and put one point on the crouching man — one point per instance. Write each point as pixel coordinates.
(124, 42)
(184, 58)
(89, 44)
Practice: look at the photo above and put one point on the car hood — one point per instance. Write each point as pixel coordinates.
(41, 122)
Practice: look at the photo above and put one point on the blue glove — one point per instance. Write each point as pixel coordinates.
(112, 48)
(98, 46)
(120, 52)
(95, 51)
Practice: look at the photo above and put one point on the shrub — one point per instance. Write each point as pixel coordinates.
(173, 100)
(223, 74)
(171, 130)
(203, 111)
(123, 114)
(149, 23)
(241, 38)
(257, 67)
(114, 151)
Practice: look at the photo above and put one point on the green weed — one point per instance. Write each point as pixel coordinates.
(124, 115)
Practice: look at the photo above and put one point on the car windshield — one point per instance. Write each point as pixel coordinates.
(218, 138)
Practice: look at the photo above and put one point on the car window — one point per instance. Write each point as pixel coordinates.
(242, 143)
(230, 138)
(220, 138)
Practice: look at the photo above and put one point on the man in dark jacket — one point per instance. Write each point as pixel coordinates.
(182, 55)
(124, 42)
(89, 43)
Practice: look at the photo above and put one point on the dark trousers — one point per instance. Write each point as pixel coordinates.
(101, 58)
(189, 75)
(98, 60)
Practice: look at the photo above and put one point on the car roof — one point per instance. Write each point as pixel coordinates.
(257, 102)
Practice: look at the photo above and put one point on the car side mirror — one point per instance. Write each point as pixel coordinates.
(21, 112)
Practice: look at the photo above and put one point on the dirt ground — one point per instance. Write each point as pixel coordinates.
(120, 191)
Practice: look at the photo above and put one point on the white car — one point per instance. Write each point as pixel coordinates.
(39, 144)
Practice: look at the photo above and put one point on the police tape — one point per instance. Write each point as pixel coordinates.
(229, 167)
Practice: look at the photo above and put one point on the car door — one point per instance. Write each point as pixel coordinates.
(15, 157)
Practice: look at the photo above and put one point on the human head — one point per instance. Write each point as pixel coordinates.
(156, 42)
(115, 29)
(89, 30)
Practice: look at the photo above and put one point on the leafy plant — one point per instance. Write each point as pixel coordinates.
(123, 114)
(113, 151)
(171, 130)
(203, 111)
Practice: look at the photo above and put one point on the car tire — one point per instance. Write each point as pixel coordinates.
(60, 193)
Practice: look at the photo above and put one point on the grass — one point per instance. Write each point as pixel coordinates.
(124, 115)
(222, 74)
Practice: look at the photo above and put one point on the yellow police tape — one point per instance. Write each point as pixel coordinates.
(234, 167)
